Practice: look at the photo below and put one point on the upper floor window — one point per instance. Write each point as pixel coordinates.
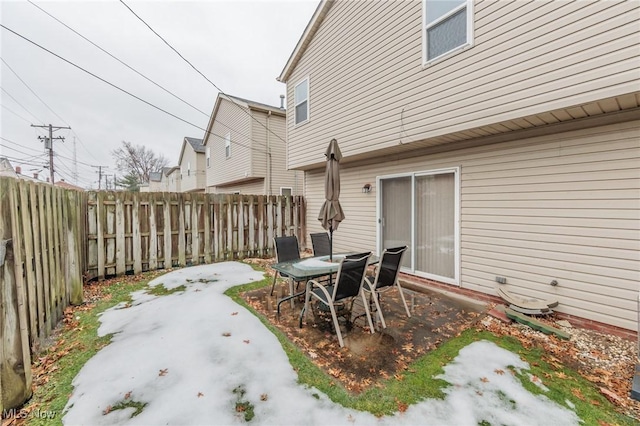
(447, 26)
(227, 145)
(208, 156)
(301, 99)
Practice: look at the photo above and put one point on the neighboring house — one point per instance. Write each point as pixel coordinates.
(498, 139)
(155, 183)
(6, 169)
(173, 179)
(66, 185)
(245, 149)
(192, 166)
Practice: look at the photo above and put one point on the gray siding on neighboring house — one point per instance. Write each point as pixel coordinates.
(369, 89)
(563, 206)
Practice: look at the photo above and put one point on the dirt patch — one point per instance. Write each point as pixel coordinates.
(368, 358)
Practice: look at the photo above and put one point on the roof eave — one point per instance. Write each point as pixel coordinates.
(307, 35)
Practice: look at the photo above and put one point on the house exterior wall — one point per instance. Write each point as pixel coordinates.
(563, 206)
(193, 181)
(232, 119)
(368, 87)
(253, 188)
(249, 170)
(173, 181)
(269, 131)
(154, 186)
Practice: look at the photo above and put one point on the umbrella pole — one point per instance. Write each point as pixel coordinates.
(331, 243)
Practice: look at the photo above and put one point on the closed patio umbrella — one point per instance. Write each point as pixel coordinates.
(331, 213)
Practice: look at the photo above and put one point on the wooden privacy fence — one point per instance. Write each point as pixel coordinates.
(52, 238)
(135, 232)
(41, 263)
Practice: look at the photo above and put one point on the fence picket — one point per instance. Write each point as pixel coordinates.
(51, 237)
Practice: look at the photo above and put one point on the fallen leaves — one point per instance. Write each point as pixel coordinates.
(578, 394)
(163, 372)
(498, 371)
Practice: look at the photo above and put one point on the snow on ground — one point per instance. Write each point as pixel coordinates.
(183, 355)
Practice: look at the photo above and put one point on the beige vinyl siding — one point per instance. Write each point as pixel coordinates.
(195, 181)
(232, 119)
(368, 88)
(258, 143)
(563, 207)
(275, 139)
(252, 188)
(280, 176)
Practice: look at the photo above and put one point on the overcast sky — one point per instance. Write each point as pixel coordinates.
(241, 46)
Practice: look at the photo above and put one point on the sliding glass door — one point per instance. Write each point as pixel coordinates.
(421, 211)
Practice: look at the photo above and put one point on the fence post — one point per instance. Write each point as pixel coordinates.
(15, 356)
(74, 272)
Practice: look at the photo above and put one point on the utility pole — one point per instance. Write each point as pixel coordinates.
(99, 176)
(75, 162)
(48, 144)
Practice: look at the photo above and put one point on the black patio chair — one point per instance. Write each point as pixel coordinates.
(347, 286)
(321, 244)
(286, 249)
(386, 278)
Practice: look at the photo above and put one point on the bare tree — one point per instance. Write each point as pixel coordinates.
(138, 161)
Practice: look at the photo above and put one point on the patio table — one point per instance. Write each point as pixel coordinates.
(308, 268)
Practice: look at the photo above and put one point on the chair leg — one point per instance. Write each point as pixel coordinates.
(406, 308)
(374, 296)
(336, 324)
(273, 286)
(366, 309)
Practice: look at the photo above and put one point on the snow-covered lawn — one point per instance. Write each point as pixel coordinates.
(184, 354)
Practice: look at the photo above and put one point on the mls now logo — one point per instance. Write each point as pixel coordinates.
(14, 413)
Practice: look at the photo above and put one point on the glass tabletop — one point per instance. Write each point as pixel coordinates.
(311, 267)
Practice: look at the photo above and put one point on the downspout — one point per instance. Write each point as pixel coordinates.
(268, 157)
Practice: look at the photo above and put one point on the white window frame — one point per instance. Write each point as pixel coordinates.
(296, 103)
(286, 187)
(227, 145)
(208, 157)
(469, 6)
(189, 168)
(413, 175)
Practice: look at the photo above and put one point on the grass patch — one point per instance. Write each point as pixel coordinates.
(137, 405)
(243, 406)
(76, 343)
(161, 290)
(418, 382)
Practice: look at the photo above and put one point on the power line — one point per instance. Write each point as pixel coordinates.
(122, 62)
(16, 101)
(31, 90)
(100, 78)
(15, 143)
(15, 113)
(45, 104)
(132, 95)
(199, 72)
